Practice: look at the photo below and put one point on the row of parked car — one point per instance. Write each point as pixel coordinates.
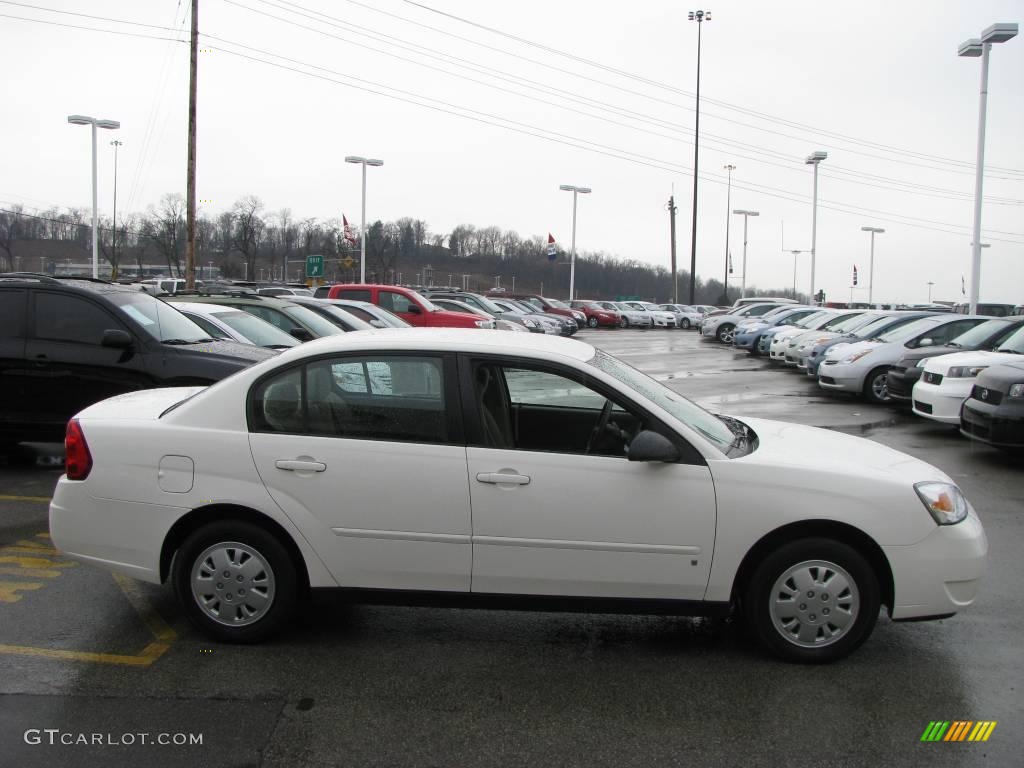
(957, 369)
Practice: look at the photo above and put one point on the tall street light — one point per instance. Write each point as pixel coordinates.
(95, 123)
(795, 254)
(362, 232)
(814, 159)
(700, 17)
(728, 204)
(113, 238)
(576, 191)
(871, 268)
(743, 281)
(997, 33)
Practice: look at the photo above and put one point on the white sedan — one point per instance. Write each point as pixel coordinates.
(445, 466)
(947, 380)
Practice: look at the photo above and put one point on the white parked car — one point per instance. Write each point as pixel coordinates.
(660, 318)
(632, 317)
(861, 368)
(686, 316)
(780, 341)
(723, 327)
(447, 465)
(948, 379)
(223, 322)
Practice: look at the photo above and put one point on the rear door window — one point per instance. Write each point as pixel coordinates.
(63, 317)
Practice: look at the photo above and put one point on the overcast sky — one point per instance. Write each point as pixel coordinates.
(480, 110)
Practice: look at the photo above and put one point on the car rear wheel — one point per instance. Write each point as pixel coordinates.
(726, 333)
(876, 386)
(592, 322)
(685, 323)
(235, 581)
(812, 601)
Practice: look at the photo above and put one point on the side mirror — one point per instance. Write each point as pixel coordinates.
(116, 339)
(652, 446)
(301, 334)
(925, 343)
(378, 323)
(414, 309)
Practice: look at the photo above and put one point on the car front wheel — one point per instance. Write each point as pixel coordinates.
(685, 324)
(876, 386)
(623, 322)
(235, 581)
(592, 322)
(812, 601)
(726, 333)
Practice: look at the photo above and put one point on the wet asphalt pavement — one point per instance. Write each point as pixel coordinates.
(87, 654)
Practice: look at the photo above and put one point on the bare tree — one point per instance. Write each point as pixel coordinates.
(10, 231)
(249, 230)
(164, 227)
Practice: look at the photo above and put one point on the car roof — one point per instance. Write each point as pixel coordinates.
(473, 340)
(245, 299)
(93, 285)
(205, 308)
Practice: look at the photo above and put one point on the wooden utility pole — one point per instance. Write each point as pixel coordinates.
(190, 184)
(672, 226)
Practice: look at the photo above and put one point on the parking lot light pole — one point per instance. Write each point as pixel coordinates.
(700, 17)
(95, 123)
(576, 191)
(743, 278)
(363, 161)
(997, 33)
(795, 254)
(728, 204)
(871, 267)
(814, 159)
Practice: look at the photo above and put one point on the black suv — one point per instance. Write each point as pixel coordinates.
(66, 343)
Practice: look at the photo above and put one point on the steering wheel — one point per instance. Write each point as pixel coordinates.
(602, 424)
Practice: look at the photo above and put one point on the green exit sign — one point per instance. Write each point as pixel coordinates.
(315, 266)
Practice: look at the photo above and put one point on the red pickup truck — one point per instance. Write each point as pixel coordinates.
(408, 305)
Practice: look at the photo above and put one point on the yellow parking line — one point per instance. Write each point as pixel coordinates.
(36, 551)
(149, 654)
(8, 589)
(36, 562)
(34, 499)
(36, 546)
(156, 625)
(32, 573)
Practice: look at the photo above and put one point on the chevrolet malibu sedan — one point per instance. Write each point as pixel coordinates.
(433, 467)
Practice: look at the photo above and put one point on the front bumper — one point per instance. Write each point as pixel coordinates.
(901, 381)
(1000, 425)
(840, 377)
(747, 340)
(939, 402)
(939, 575)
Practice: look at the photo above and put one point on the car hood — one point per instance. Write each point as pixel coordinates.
(816, 449)
(942, 364)
(1000, 377)
(224, 350)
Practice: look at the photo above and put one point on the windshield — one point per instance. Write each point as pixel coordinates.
(557, 303)
(853, 323)
(881, 325)
(259, 332)
(320, 326)
(979, 334)
(427, 305)
(812, 321)
(592, 305)
(910, 330)
(836, 320)
(695, 417)
(1015, 343)
(160, 320)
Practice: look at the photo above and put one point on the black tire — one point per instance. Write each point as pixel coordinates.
(875, 389)
(623, 322)
(592, 322)
(824, 562)
(685, 323)
(726, 333)
(283, 581)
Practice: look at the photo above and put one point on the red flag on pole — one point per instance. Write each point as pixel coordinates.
(552, 250)
(347, 229)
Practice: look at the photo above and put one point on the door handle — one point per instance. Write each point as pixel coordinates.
(502, 478)
(300, 465)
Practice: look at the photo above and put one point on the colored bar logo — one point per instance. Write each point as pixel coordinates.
(958, 730)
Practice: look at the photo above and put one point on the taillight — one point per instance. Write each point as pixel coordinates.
(77, 459)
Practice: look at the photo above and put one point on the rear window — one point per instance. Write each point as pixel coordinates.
(355, 294)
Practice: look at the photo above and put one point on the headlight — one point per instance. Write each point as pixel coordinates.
(965, 371)
(944, 501)
(1016, 390)
(857, 356)
(529, 323)
(921, 363)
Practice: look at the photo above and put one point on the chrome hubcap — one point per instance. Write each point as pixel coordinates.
(727, 335)
(233, 584)
(814, 603)
(880, 386)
